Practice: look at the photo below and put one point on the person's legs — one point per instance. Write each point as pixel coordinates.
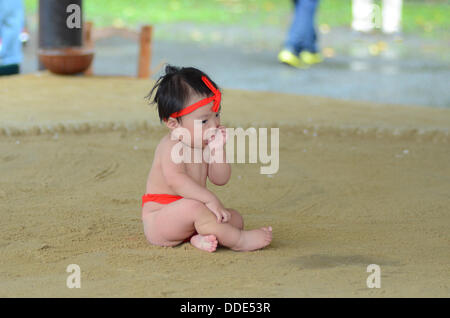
(172, 224)
(11, 24)
(301, 35)
(232, 237)
(209, 242)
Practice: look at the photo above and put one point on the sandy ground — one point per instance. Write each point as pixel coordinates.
(358, 184)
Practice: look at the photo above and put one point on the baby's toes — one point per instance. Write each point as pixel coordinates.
(268, 234)
(267, 230)
(211, 239)
(212, 247)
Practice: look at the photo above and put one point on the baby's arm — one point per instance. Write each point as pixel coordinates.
(182, 184)
(219, 173)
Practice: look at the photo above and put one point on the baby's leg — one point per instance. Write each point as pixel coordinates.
(231, 236)
(173, 223)
(236, 219)
(210, 241)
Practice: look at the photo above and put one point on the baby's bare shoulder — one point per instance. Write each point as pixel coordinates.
(165, 146)
(164, 155)
(164, 149)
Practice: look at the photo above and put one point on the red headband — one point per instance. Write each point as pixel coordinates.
(216, 98)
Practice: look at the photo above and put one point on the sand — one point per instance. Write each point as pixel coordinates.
(358, 184)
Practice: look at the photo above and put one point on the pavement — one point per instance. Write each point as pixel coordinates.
(395, 69)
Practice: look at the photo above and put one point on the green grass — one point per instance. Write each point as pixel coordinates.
(426, 18)
(422, 17)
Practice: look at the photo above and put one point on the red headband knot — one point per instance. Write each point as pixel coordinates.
(216, 98)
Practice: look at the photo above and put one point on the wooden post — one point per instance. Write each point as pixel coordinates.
(145, 51)
(88, 42)
(53, 31)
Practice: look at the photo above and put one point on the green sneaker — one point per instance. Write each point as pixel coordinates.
(310, 58)
(289, 58)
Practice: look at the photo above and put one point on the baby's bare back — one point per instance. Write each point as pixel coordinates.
(156, 181)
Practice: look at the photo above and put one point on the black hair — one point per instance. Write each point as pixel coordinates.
(174, 88)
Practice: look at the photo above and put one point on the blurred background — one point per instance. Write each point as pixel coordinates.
(237, 41)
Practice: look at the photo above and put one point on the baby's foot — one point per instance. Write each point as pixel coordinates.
(254, 239)
(204, 242)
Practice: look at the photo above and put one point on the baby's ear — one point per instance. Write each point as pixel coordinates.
(172, 123)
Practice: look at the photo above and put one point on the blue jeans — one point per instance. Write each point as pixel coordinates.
(302, 34)
(11, 24)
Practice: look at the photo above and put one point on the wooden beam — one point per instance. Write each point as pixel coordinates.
(88, 42)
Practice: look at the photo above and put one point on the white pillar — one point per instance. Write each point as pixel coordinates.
(392, 16)
(362, 11)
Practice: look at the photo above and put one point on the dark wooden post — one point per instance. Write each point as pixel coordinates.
(53, 29)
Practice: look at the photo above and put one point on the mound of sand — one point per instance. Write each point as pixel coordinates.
(358, 184)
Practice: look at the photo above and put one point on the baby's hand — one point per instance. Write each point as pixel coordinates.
(219, 211)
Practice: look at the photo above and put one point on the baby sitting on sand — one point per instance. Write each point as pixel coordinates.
(177, 206)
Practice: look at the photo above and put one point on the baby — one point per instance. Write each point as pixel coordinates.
(177, 206)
